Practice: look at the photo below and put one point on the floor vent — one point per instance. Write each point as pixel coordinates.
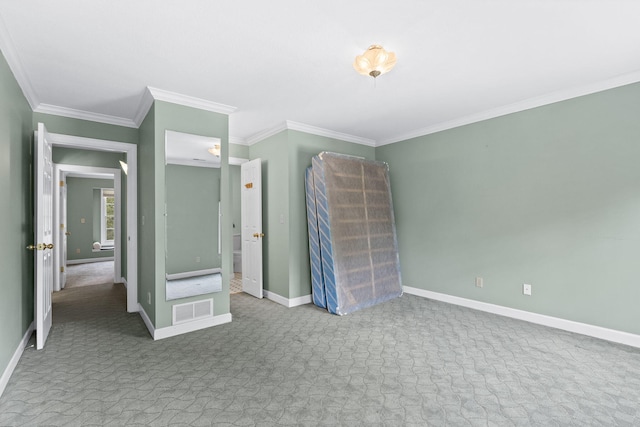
(192, 311)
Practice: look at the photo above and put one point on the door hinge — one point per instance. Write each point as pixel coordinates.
(61, 269)
(61, 183)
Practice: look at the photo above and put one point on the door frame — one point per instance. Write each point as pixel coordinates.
(61, 172)
(131, 152)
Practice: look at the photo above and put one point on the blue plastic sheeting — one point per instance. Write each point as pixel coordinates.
(317, 282)
(356, 226)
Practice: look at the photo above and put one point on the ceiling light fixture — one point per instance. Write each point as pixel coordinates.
(215, 150)
(374, 61)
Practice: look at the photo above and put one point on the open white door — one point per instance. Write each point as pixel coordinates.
(43, 246)
(251, 211)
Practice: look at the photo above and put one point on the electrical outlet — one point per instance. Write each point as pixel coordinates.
(526, 289)
(479, 282)
(83, 220)
(197, 259)
(78, 250)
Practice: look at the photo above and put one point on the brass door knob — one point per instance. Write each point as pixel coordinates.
(256, 235)
(40, 246)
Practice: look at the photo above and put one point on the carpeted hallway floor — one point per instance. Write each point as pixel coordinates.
(89, 274)
(410, 361)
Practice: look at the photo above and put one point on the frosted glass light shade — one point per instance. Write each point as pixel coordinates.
(215, 150)
(374, 61)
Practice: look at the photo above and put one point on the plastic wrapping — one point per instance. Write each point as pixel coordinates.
(357, 234)
(317, 282)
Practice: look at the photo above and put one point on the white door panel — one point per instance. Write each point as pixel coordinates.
(251, 211)
(43, 245)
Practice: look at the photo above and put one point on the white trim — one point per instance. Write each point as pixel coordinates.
(237, 161)
(145, 105)
(88, 260)
(540, 319)
(527, 104)
(6, 375)
(237, 141)
(313, 130)
(123, 281)
(193, 163)
(131, 152)
(329, 133)
(196, 325)
(190, 101)
(84, 115)
(261, 136)
(62, 171)
(289, 303)
(195, 273)
(183, 328)
(13, 60)
(147, 322)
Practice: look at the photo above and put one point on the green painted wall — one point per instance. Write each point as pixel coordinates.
(239, 151)
(302, 147)
(193, 194)
(16, 213)
(548, 196)
(81, 205)
(236, 195)
(179, 118)
(86, 128)
(285, 156)
(273, 152)
(148, 252)
(74, 156)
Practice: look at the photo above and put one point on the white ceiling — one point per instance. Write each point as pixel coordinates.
(289, 60)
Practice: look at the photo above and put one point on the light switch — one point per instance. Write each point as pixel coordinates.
(82, 220)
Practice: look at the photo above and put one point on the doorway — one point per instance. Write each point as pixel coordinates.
(130, 242)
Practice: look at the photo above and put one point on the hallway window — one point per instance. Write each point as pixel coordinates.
(108, 217)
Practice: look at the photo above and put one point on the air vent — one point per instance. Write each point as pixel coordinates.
(191, 311)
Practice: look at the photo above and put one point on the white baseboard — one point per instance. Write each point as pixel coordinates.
(123, 281)
(86, 260)
(146, 320)
(6, 375)
(613, 335)
(293, 302)
(183, 328)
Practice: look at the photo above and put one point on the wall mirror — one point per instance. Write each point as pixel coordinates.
(192, 217)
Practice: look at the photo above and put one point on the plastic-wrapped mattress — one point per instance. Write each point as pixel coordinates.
(317, 282)
(357, 235)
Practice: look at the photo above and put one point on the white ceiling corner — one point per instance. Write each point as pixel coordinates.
(57, 110)
(9, 52)
(190, 101)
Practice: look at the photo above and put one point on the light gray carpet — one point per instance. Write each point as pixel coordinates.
(89, 274)
(410, 361)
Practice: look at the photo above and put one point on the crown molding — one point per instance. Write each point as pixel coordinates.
(527, 104)
(10, 54)
(84, 115)
(329, 133)
(260, 136)
(145, 105)
(190, 101)
(237, 140)
(313, 130)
